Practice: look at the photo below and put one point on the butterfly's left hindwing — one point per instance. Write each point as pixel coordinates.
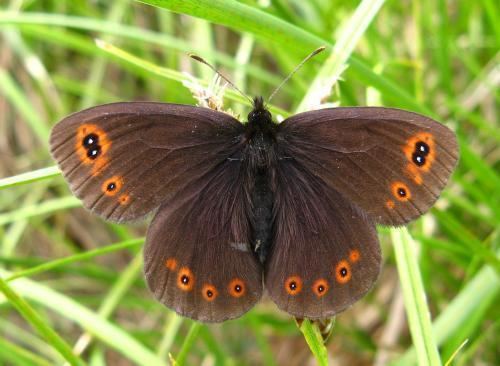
(123, 160)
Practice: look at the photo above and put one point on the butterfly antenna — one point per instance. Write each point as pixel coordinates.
(297, 68)
(199, 59)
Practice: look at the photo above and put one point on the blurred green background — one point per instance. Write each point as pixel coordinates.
(81, 278)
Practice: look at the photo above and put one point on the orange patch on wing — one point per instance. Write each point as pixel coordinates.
(410, 148)
(320, 287)
(171, 264)
(124, 199)
(236, 288)
(99, 165)
(112, 186)
(185, 279)
(414, 173)
(389, 204)
(343, 272)
(354, 256)
(400, 191)
(209, 292)
(103, 144)
(293, 285)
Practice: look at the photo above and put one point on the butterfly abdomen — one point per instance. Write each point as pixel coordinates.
(260, 166)
(262, 214)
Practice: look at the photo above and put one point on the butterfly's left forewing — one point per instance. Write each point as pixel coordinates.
(391, 163)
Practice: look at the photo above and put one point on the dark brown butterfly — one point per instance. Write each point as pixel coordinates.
(291, 207)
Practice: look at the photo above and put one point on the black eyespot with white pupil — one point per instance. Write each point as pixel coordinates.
(237, 288)
(293, 285)
(343, 272)
(93, 152)
(418, 159)
(185, 280)
(421, 151)
(321, 288)
(111, 187)
(209, 293)
(422, 148)
(90, 140)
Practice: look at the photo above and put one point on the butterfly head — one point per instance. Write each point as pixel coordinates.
(259, 115)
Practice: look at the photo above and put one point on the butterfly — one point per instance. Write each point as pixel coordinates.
(242, 207)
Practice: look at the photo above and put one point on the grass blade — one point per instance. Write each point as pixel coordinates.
(314, 340)
(336, 63)
(484, 287)
(414, 298)
(94, 324)
(39, 324)
(171, 329)
(172, 74)
(29, 177)
(75, 258)
(10, 88)
(44, 208)
(188, 343)
(265, 26)
(134, 33)
(19, 356)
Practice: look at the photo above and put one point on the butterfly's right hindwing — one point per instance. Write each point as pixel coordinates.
(198, 258)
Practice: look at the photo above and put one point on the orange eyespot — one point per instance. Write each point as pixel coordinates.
(293, 285)
(236, 288)
(185, 279)
(124, 199)
(209, 292)
(92, 145)
(112, 186)
(354, 256)
(420, 150)
(400, 191)
(171, 264)
(389, 204)
(343, 272)
(320, 287)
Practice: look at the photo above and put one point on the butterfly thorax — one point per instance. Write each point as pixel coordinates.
(259, 116)
(260, 135)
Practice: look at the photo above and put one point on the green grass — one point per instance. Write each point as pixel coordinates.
(70, 296)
